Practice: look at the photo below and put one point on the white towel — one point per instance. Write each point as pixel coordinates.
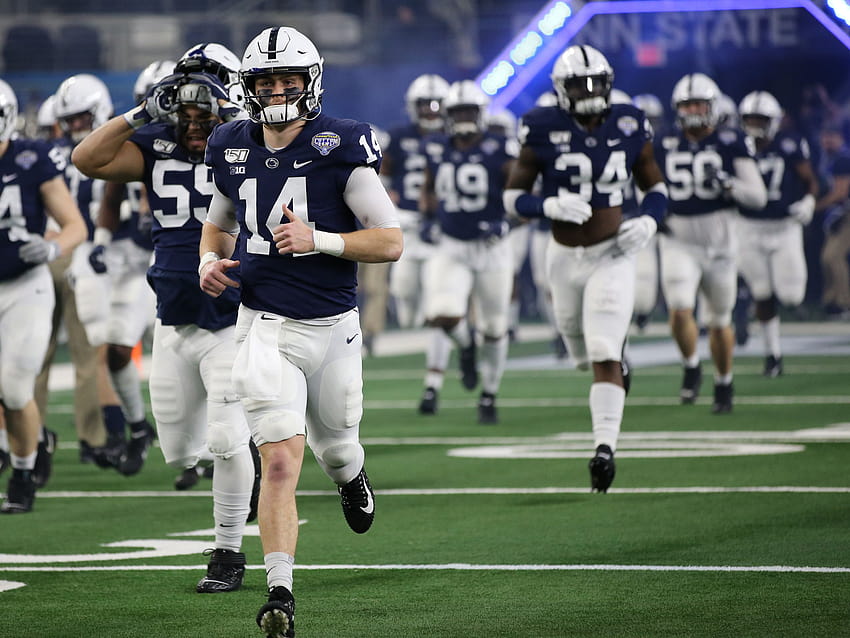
(257, 371)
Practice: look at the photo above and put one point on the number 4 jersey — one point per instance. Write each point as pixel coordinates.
(309, 177)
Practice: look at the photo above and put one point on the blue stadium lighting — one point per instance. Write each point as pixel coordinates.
(841, 9)
(558, 24)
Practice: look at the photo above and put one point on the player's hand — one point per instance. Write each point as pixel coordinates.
(803, 209)
(206, 89)
(213, 276)
(567, 207)
(38, 250)
(293, 236)
(492, 231)
(635, 233)
(718, 178)
(97, 259)
(429, 231)
(159, 103)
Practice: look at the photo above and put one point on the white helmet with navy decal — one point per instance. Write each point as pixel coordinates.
(8, 112)
(583, 79)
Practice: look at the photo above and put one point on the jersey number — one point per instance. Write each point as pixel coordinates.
(293, 195)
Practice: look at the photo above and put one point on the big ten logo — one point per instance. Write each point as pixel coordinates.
(237, 170)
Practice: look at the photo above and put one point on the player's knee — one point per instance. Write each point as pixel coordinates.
(720, 319)
(271, 426)
(600, 348)
(16, 395)
(340, 455)
(224, 441)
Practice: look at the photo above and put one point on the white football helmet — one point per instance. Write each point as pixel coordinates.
(649, 104)
(150, 75)
(78, 94)
(217, 59)
(282, 50)
(8, 112)
(727, 111)
(620, 97)
(583, 79)
(465, 108)
(423, 101)
(503, 122)
(696, 87)
(761, 115)
(547, 98)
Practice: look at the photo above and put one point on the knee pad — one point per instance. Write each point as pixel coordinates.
(224, 440)
(18, 390)
(271, 425)
(600, 348)
(166, 404)
(339, 455)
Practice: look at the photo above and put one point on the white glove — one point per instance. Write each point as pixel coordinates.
(803, 209)
(634, 233)
(37, 250)
(567, 207)
(160, 102)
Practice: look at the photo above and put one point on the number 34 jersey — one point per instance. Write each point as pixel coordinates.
(309, 177)
(594, 164)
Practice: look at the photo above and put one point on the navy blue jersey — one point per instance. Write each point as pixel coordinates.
(469, 182)
(408, 161)
(596, 165)
(309, 176)
(179, 193)
(87, 192)
(778, 167)
(24, 167)
(688, 168)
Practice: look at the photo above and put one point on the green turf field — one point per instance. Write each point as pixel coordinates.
(733, 525)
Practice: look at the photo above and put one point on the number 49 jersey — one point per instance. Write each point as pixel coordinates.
(594, 164)
(309, 177)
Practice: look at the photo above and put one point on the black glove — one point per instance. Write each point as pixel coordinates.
(96, 259)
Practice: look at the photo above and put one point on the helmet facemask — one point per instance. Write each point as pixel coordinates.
(586, 95)
(689, 119)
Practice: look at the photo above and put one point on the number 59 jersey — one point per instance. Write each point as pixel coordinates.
(594, 164)
(309, 176)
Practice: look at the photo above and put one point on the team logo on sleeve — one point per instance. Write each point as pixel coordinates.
(164, 146)
(26, 159)
(234, 155)
(325, 142)
(627, 124)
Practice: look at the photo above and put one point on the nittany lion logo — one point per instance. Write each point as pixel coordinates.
(325, 142)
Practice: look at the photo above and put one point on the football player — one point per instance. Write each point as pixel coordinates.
(587, 150)
(121, 248)
(32, 188)
(82, 103)
(472, 262)
(297, 198)
(771, 257)
(710, 172)
(161, 142)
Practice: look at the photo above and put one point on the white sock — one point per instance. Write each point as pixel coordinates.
(279, 569)
(233, 479)
(4, 440)
(492, 361)
(692, 361)
(606, 413)
(770, 329)
(723, 379)
(460, 334)
(438, 351)
(23, 462)
(129, 390)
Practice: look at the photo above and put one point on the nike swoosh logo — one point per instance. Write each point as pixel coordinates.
(9, 178)
(265, 318)
(350, 339)
(612, 142)
(370, 503)
(297, 164)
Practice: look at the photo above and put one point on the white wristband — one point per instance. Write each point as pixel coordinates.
(207, 258)
(102, 236)
(328, 243)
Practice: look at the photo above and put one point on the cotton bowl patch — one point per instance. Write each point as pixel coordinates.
(325, 142)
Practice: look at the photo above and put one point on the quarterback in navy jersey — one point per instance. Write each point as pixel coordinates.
(771, 257)
(473, 262)
(586, 151)
(31, 188)
(710, 172)
(298, 198)
(161, 143)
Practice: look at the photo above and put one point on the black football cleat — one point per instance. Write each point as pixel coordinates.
(5, 460)
(20, 493)
(276, 618)
(487, 414)
(723, 393)
(224, 572)
(188, 478)
(110, 454)
(358, 502)
(468, 367)
(602, 469)
(44, 457)
(255, 488)
(773, 366)
(428, 404)
(691, 382)
(140, 442)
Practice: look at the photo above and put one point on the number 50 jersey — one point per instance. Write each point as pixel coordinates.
(594, 164)
(309, 177)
